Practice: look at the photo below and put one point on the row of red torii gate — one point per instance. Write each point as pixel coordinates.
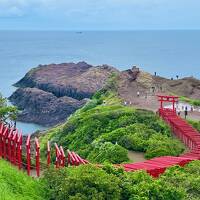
(27, 156)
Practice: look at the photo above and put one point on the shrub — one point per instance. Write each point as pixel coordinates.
(160, 145)
(195, 124)
(84, 182)
(108, 152)
(187, 179)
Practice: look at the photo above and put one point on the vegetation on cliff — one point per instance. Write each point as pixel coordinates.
(91, 183)
(104, 130)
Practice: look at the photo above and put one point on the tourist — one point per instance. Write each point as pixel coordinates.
(138, 94)
(186, 112)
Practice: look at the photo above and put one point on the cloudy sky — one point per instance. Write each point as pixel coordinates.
(99, 14)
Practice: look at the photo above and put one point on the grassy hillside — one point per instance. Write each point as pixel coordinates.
(104, 130)
(17, 185)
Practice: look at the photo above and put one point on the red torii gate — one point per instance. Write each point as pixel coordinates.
(168, 99)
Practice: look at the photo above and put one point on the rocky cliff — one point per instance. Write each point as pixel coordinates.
(78, 81)
(48, 94)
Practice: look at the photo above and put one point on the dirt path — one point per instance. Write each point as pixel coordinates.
(136, 156)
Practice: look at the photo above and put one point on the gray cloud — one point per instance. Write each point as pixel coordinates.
(97, 14)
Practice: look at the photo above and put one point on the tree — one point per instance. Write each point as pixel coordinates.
(8, 114)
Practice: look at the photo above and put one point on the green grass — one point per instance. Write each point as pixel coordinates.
(195, 124)
(194, 102)
(16, 185)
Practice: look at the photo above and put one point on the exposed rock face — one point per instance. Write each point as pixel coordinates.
(68, 79)
(43, 107)
(48, 94)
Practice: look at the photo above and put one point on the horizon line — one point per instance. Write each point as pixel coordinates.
(85, 30)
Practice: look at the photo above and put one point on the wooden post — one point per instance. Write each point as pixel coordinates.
(28, 154)
(10, 136)
(57, 156)
(62, 156)
(77, 162)
(37, 156)
(19, 150)
(1, 143)
(4, 141)
(173, 104)
(14, 141)
(68, 158)
(161, 103)
(71, 160)
(48, 154)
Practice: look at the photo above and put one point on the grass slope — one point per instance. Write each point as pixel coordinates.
(17, 185)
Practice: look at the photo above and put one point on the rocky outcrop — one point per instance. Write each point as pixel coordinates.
(43, 107)
(48, 94)
(78, 81)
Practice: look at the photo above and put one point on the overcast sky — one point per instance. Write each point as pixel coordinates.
(99, 14)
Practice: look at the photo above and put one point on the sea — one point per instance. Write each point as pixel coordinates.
(168, 53)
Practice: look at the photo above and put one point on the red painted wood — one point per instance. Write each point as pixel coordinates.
(28, 154)
(37, 157)
(48, 154)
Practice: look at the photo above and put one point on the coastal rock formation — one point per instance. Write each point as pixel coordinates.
(78, 81)
(43, 107)
(48, 94)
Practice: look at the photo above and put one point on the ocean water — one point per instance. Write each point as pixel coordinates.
(169, 53)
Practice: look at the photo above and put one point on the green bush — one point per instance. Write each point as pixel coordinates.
(187, 179)
(108, 152)
(84, 182)
(160, 145)
(139, 186)
(91, 182)
(195, 124)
